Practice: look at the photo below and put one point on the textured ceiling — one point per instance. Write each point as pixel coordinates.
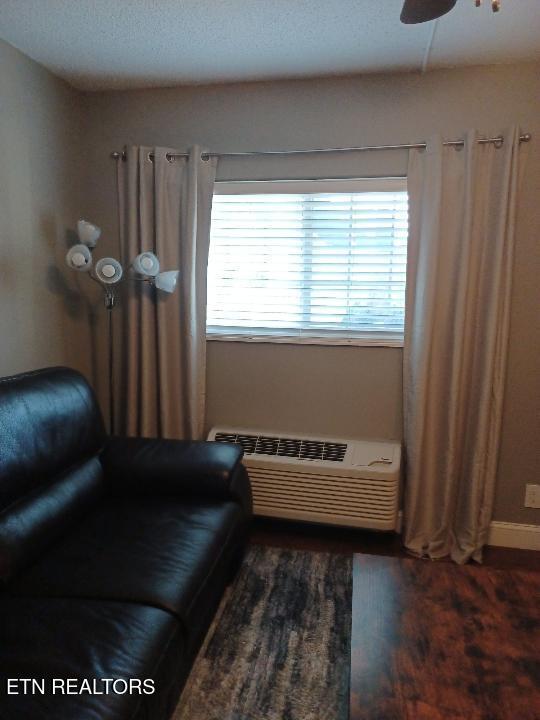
(98, 44)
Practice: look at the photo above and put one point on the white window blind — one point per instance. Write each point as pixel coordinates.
(312, 261)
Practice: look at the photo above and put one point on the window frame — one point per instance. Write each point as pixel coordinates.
(348, 185)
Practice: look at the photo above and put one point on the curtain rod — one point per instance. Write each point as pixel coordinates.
(497, 141)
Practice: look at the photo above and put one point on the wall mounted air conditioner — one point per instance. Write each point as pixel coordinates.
(352, 483)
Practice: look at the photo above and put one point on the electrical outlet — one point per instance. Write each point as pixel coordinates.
(532, 496)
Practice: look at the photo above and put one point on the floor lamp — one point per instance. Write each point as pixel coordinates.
(108, 272)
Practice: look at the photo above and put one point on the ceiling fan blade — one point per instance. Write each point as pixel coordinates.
(419, 11)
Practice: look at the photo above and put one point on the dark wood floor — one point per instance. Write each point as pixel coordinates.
(324, 538)
(433, 640)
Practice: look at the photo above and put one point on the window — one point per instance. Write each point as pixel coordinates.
(311, 261)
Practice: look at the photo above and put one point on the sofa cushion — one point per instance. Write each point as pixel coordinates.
(51, 433)
(49, 422)
(87, 640)
(164, 552)
(29, 525)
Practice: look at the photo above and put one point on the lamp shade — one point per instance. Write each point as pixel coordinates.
(167, 280)
(420, 11)
(146, 264)
(108, 271)
(88, 233)
(79, 258)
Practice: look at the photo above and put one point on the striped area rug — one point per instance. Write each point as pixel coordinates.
(279, 647)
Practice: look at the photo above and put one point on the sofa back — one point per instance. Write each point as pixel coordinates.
(51, 432)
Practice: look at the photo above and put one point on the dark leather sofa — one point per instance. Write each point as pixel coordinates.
(114, 555)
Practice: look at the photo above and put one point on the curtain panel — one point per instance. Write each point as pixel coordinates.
(459, 270)
(165, 207)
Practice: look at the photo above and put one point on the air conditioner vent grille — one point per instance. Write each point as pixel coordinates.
(248, 442)
(287, 447)
(267, 445)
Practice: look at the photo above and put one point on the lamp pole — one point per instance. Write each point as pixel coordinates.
(109, 305)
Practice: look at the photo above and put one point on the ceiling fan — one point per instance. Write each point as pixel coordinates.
(419, 11)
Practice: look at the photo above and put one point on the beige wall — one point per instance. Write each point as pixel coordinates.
(342, 391)
(42, 318)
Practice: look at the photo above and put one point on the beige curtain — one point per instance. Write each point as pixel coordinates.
(462, 216)
(164, 206)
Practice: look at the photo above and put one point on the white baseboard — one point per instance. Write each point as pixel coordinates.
(514, 535)
(501, 534)
(504, 534)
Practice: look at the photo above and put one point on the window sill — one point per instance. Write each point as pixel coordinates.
(365, 341)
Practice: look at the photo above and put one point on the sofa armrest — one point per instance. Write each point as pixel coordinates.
(145, 466)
